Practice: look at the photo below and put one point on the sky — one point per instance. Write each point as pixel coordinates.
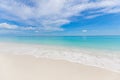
(59, 17)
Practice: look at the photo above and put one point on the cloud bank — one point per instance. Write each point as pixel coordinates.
(50, 15)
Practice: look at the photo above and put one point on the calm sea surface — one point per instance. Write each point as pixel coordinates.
(90, 42)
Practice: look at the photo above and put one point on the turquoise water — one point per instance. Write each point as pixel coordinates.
(99, 51)
(90, 42)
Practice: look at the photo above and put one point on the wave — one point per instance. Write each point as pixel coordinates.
(103, 59)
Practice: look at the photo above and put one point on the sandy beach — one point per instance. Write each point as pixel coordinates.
(24, 67)
(95, 58)
(40, 62)
(59, 39)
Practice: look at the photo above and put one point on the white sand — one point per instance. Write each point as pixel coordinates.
(19, 62)
(24, 67)
(16, 67)
(99, 58)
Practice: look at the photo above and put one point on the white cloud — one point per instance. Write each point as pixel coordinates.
(27, 28)
(7, 26)
(93, 16)
(36, 31)
(8, 31)
(15, 27)
(52, 14)
(84, 31)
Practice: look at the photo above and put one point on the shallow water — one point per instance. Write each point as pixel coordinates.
(90, 42)
(99, 51)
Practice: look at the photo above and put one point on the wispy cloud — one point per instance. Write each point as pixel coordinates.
(52, 14)
(15, 27)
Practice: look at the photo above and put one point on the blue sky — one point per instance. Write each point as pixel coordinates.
(60, 17)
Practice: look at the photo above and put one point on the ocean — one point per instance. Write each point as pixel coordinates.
(99, 51)
(87, 42)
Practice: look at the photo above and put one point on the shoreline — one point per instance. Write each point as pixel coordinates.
(60, 53)
(27, 67)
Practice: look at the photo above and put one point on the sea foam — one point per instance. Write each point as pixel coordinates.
(103, 59)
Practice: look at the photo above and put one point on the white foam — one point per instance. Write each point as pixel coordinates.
(103, 59)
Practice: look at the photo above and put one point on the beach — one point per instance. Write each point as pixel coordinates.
(59, 39)
(24, 67)
(42, 62)
(103, 59)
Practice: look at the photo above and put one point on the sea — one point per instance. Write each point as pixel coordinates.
(88, 42)
(99, 51)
